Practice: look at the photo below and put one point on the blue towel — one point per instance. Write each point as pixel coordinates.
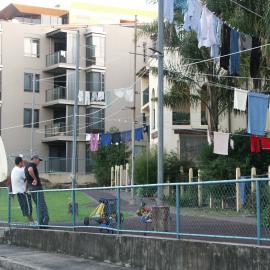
(106, 139)
(235, 58)
(139, 134)
(126, 136)
(257, 113)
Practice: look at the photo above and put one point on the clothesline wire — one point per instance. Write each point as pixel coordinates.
(59, 118)
(244, 7)
(226, 55)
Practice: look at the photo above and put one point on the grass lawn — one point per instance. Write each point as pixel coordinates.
(57, 203)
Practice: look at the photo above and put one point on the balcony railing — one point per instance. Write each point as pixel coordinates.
(145, 96)
(55, 58)
(56, 129)
(56, 93)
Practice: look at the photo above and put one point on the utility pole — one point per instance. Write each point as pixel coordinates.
(33, 113)
(75, 119)
(75, 113)
(134, 107)
(160, 96)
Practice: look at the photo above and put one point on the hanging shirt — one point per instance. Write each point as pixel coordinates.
(255, 58)
(94, 96)
(169, 10)
(88, 137)
(232, 144)
(81, 97)
(126, 136)
(225, 47)
(265, 142)
(255, 146)
(209, 137)
(215, 49)
(192, 16)
(221, 143)
(234, 58)
(94, 142)
(245, 42)
(106, 139)
(257, 113)
(139, 134)
(207, 37)
(240, 99)
(116, 138)
(101, 96)
(87, 98)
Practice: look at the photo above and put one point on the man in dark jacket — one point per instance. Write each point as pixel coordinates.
(35, 187)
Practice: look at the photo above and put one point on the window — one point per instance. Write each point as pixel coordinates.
(95, 119)
(94, 81)
(27, 118)
(28, 82)
(32, 47)
(181, 118)
(95, 51)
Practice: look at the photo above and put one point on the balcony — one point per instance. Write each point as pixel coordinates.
(145, 100)
(60, 132)
(57, 97)
(57, 61)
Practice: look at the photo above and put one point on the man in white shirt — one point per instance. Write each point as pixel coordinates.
(18, 184)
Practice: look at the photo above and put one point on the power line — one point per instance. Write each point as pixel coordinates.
(251, 11)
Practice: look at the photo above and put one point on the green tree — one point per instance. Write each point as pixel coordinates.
(107, 157)
(202, 82)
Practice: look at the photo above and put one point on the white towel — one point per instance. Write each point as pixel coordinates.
(221, 143)
(240, 99)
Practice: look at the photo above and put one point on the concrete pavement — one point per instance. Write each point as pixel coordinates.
(17, 258)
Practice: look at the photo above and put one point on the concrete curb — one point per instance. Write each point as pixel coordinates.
(10, 264)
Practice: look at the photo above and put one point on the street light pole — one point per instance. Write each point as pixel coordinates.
(33, 114)
(75, 112)
(160, 96)
(134, 107)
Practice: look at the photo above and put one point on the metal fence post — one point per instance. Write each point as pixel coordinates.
(38, 208)
(73, 208)
(258, 207)
(177, 197)
(118, 211)
(9, 208)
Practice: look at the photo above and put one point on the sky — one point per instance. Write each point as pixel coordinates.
(64, 3)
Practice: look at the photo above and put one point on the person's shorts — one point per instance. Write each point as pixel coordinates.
(25, 202)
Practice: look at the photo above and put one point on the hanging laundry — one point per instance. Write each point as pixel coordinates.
(255, 146)
(265, 142)
(106, 139)
(192, 16)
(245, 42)
(225, 47)
(215, 49)
(257, 113)
(116, 138)
(101, 96)
(81, 97)
(221, 143)
(235, 57)
(240, 99)
(94, 96)
(208, 22)
(146, 129)
(180, 4)
(87, 98)
(126, 136)
(267, 125)
(255, 58)
(232, 144)
(169, 10)
(139, 134)
(209, 137)
(94, 142)
(88, 137)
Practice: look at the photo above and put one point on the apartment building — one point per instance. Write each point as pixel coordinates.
(185, 128)
(38, 67)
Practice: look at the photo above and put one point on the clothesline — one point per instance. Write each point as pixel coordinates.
(251, 11)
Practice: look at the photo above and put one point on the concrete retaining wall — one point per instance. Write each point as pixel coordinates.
(145, 252)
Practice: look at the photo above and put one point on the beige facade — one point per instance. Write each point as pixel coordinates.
(105, 65)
